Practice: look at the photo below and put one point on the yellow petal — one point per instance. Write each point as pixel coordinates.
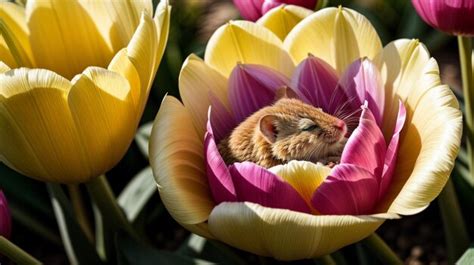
(142, 51)
(104, 115)
(3, 67)
(429, 145)
(162, 22)
(59, 42)
(430, 139)
(13, 16)
(38, 136)
(196, 81)
(116, 21)
(305, 177)
(282, 19)
(176, 157)
(246, 42)
(402, 63)
(288, 235)
(122, 65)
(338, 36)
(5, 54)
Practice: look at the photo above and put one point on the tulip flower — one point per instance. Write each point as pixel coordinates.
(72, 94)
(253, 10)
(401, 148)
(453, 17)
(5, 218)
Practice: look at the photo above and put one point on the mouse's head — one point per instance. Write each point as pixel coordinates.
(298, 131)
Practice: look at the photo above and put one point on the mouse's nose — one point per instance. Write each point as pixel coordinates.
(340, 125)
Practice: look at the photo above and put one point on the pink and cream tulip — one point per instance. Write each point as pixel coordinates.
(404, 134)
(453, 17)
(254, 9)
(72, 94)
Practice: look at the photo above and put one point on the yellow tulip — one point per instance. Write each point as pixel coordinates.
(428, 143)
(74, 80)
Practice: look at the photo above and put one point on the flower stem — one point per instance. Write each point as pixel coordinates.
(31, 223)
(16, 254)
(465, 56)
(325, 260)
(79, 210)
(454, 228)
(105, 200)
(381, 249)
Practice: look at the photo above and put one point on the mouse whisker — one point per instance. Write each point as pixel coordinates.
(334, 93)
(351, 118)
(343, 107)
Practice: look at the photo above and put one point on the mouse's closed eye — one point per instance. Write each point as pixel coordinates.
(310, 128)
(308, 125)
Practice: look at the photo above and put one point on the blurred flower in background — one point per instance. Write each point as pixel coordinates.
(5, 218)
(254, 9)
(454, 17)
(72, 94)
(183, 167)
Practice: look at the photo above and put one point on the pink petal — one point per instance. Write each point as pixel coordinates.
(256, 184)
(223, 122)
(315, 82)
(310, 4)
(5, 217)
(366, 146)
(252, 87)
(269, 4)
(218, 175)
(250, 10)
(454, 17)
(362, 82)
(392, 151)
(348, 190)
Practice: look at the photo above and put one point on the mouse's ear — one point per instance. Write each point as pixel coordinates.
(267, 126)
(285, 92)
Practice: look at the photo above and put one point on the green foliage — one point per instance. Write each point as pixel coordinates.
(467, 258)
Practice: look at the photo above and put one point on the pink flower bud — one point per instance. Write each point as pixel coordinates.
(454, 17)
(254, 9)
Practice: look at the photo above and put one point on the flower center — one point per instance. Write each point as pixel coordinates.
(287, 130)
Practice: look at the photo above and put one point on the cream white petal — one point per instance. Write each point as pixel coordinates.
(248, 43)
(196, 82)
(176, 157)
(337, 35)
(288, 235)
(282, 19)
(431, 136)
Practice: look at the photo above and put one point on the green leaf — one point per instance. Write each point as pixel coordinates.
(200, 247)
(25, 191)
(467, 258)
(29, 204)
(137, 193)
(130, 251)
(79, 250)
(457, 238)
(143, 137)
